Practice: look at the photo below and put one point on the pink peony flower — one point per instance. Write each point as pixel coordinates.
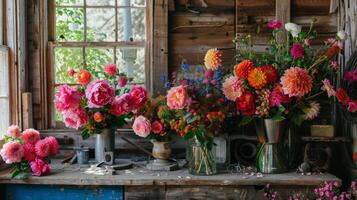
(71, 72)
(233, 88)
(14, 131)
(99, 93)
(296, 82)
(29, 152)
(156, 127)
(142, 126)
(110, 69)
(12, 152)
(122, 81)
(277, 96)
(297, 51)
(30, 136)
(39, 167)
(43, 148)
(335, 65)
(274, 24)
(121, 105)
(352, 106)
(67, 97)
(53, 145)
(138, 96)
(177, 97)
(328, 88)
(75, 118)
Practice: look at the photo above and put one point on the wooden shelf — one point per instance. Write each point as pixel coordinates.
(325, 139)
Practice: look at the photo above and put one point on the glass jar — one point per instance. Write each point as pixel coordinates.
(201, 159)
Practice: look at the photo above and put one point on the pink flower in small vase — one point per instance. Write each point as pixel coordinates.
(121, 105)
(14, 131)
(156, 127)
(53, 145)
(123, 80)
(12, 152)
(177, 98)
(110, 69)
(71, 72)
(29, 152)
(99, 93)
(67, 97)
(142, 126)
(39, 167)
(138, 96)
(75, 118)
(352, 106)
(30, 136)
(42, 148)
(297, 51)
(274, 24)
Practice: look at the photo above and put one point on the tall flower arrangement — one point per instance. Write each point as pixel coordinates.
(94, 105)
(28, 152)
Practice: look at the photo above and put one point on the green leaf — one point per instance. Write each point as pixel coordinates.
(85, 134)
(22, 175)
(278, 118)
(245, 120)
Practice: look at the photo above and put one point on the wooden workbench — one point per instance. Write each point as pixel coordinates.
(140, 183)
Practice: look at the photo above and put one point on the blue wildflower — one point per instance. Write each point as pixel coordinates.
(162, 78)
(167, 85)
(185, 66)
(217, 75)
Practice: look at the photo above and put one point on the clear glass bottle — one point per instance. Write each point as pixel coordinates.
(202, 159)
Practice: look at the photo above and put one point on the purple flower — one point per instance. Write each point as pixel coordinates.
(297, 51)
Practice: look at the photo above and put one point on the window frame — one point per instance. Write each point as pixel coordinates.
(52, 44)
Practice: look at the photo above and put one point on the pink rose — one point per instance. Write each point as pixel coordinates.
(99, 93)
(138, 96)
(156, 127)
(274, 24)
(122, 81)
(142, 126)
(39, 167)
(13, 131)
(12, 152)
(67, 97)
(297, 51)
(121, 105)
(75, 118)
(110, 69)
(352, 106)
(29, 152)
(177, 98)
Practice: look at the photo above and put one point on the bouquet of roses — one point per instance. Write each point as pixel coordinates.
(153, 120)
(28, 152)
(98, 104)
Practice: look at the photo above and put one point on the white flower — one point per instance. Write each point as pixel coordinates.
(294, 29)
(312, 112)
(342, 35)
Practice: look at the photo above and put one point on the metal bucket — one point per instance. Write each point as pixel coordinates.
(105, 142)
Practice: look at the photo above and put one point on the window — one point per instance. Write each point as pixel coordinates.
(90, 33)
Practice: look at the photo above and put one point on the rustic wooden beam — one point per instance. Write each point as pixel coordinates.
(27, 110)
(282, 13)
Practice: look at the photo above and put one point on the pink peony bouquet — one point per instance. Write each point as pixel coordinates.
(28, 152)
(94, 105)
(284, 82)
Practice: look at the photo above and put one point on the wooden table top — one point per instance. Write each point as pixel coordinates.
(64, 174)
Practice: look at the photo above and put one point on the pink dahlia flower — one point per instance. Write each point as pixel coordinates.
(14, 131)
(12, 152)
(296, 82)
(43, 148)
(274, 24)
(110, 69)
(121, 105)
(30, 136)
(53, 145)
(99, 93)
(328, 88)
(29, 152)
(233, 88)
(67, 97)
(297, 51)
(177, 97)
(138, 96)
(142, 126)
(39, 167)
(123, 80)
(156, 127)
(75, 118)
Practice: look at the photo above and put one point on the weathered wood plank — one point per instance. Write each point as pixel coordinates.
(144, 193)
(282, 13)
(27, 110)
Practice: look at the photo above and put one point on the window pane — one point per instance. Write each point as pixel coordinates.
(131, 24)
(66, 58)
(5, 116)
(132, 63)
(101, 2)
(69, 24)
(69, 2)
(131, 2)
(96, 58)
(100, 24)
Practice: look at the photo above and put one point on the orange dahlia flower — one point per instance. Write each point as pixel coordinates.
(242, 69)
(213, 59)
(257, 79)
(296, 82)
(84, 77)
